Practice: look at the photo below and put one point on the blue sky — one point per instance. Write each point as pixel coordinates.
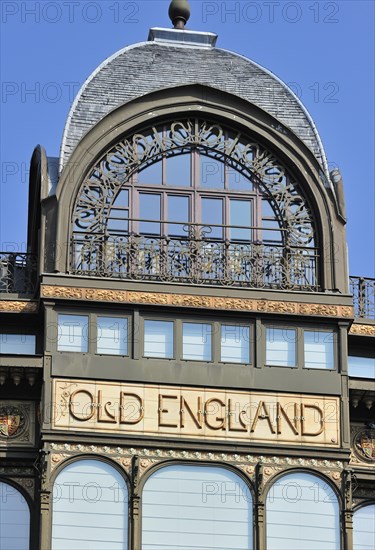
(324, 50)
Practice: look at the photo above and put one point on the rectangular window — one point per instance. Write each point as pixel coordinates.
(211, 173)
(197, 341)
(73, 333)
(281, 347)
(149, 209)
(17, 344)
(319, 352)
(158, 339)
(178, 211)
(235, 344)
(240, 215)
(212, 216)
(361, 367)
(178, 170)
(112, 336)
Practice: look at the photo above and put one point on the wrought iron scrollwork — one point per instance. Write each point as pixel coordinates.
(194, 257)
(195, 261)
(18, 273)
(363, 290)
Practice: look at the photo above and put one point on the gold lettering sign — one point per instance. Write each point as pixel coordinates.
(212, 414)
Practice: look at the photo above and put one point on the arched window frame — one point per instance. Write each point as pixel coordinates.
(98, 458)
(358, 507)
(313, 473)
(218, 465)
(94, 255)
(33, 516)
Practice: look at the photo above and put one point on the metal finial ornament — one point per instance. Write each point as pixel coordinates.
(179, 13)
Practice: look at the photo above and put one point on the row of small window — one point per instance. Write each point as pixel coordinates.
(158, 338)
(112, 337)
(198, 341)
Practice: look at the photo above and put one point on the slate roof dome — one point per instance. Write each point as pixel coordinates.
(172, 58)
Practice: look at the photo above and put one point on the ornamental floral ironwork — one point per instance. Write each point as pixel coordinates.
(363, 290)
(289, 259)
(17, 273)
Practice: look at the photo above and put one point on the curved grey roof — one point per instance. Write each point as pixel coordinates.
(168, 60)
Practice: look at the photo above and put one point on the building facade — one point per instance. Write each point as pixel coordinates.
(185, 362)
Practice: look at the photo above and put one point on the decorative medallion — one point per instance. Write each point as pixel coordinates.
(364, 445)
(17, 424)
(12, 422)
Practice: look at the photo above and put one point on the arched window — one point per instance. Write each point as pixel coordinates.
(196, 507)
(191, 201)
(302, 511)
(90, 508)
(14, 519)
(364, 528)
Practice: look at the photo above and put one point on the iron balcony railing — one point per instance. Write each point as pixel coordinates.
(197, 258)
(18, 273)
(363, 290)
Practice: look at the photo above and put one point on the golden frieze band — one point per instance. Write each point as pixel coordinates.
(211, 414)
(17, 306)
(362, 330)
(186, 300)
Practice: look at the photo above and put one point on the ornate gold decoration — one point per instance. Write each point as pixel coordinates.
(364, 445)
(362, 330)
(62, 292)
(17, 423)
(335, 475)
(358, 454)
(8, 306)
(27, 484)
(273, 465)
(188, 300)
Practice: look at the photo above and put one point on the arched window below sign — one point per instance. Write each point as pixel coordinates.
(364, 528)
(14, 519)
(196, 507)
(302, 511)
(90, 508)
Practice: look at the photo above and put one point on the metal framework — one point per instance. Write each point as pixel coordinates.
(195, 255)
(17, 273)
(363, 290)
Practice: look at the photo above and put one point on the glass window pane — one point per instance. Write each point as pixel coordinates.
(302, 512)
(17, 344)
(196, 341)
(178, 170)
(158, 339)
(14, 519)
(194, 508)
(122, 199)
(235, 344)
(361, 367)
(72, 333)
(116, 225)
(112, 336)
(152, 175)
(281, 347)
(211, 173)
(319, 353)
(271, 232)
(212, 214)
(90, 508)
(149, 209)
(178, 211)
(240, 214)
(237, 181)
(364, 528)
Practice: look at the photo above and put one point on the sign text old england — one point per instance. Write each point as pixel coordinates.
(212, 414)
